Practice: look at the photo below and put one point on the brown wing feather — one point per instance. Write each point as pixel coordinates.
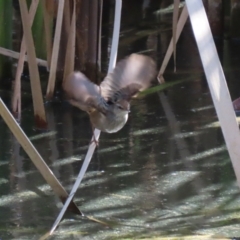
(131, 75)
(82, 93)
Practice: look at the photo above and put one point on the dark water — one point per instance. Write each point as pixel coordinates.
(166, 173)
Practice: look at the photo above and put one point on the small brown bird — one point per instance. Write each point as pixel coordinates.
(108, 104)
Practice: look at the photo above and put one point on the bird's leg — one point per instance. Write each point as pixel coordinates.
(94, 139)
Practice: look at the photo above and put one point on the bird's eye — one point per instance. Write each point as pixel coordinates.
(109, 102)
(120, 107)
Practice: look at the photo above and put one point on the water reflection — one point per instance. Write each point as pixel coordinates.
(165, 174)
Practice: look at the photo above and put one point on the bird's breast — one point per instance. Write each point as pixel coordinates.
(109, 123)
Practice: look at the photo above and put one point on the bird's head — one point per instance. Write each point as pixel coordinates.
(122, 107)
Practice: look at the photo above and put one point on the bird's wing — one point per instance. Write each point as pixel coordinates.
(82, 93)
(131, 75)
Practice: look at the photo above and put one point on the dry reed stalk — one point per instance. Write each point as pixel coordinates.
(39, 111)
(56, 44)
(67, 17)
(70, 53)
(175, 20)
(216, 81)
(181, 22)
(15, 55)
(92, 146)
(16, 100)
(35, 156)
(92, 36)
(99, 61)
(48, 33)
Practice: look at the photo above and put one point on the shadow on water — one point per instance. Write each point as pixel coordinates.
(166, 173)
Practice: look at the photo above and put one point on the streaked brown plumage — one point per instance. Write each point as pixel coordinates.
(108, 104)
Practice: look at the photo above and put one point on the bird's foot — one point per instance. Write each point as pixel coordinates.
(94, 140)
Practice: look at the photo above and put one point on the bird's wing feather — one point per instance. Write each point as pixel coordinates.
(82, 93)
(131, 75)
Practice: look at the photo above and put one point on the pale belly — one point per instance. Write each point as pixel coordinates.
(108, 124)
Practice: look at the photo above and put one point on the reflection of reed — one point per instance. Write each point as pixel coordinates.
(68, 145)
(182, 147)
(17, 164)
(33, 154)
(174, 126)
(150, 179)
(17, 182)
(54, 157)
(52, 140)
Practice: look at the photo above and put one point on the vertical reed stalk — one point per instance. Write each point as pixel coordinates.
(175, 20)
(39, 111)
(48, 32)
(16, 101)
(216, 81)
(92, 36)
(67, 16)
(55, 52)
(6, 26)
(70, 53)
(99, 61)
(181, 22)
